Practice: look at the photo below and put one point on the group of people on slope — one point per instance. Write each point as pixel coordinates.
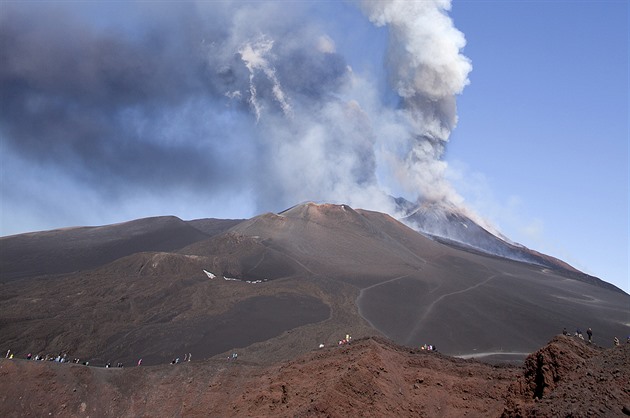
(578, 333)
(60, 358)
(589, 333)
(187, 357)
(63, 358)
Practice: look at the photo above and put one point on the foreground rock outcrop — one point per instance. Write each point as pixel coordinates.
(569, 377)
(370, 377)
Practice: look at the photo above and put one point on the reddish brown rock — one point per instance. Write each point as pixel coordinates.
(370, 377)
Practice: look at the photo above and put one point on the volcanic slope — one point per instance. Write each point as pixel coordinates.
(278, 285)
(452, 226)
(415, 290)
(71, 249)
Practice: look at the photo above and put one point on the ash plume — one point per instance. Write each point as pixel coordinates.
(260, 102)
(426, 70)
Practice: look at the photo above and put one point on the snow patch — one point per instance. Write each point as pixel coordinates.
(245, 281)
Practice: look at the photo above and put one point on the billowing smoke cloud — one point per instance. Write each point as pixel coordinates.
(209, 99)
(427, 71)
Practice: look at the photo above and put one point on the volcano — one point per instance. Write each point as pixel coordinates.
(453, 226)
(277, 285)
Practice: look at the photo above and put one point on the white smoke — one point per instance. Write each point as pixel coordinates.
(255, 99)
(254, 55)
(333, 148)
(426, 70)
(326, 44)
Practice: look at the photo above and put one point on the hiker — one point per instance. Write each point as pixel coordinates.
(589, 332)
(140, 362)
(185, 356)
(616, 341)
(29, 356)
(564, 331)
(189, 356)
(8, 353)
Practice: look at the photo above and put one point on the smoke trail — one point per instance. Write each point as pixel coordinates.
(254, 55)
(426, 70)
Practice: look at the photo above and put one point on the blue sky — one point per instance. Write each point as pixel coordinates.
(543, 127)
(226, 110)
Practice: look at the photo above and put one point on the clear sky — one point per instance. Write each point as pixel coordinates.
(543, 127)
(117, 111)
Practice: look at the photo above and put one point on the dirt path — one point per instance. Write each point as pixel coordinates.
(429, 308)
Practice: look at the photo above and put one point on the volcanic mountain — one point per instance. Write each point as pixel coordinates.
(278, 285)
(453, 226)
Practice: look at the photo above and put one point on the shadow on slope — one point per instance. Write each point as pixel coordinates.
(151, 305)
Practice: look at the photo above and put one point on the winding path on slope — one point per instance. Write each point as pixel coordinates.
(362, 293)
(429, 308)
(492, 353)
